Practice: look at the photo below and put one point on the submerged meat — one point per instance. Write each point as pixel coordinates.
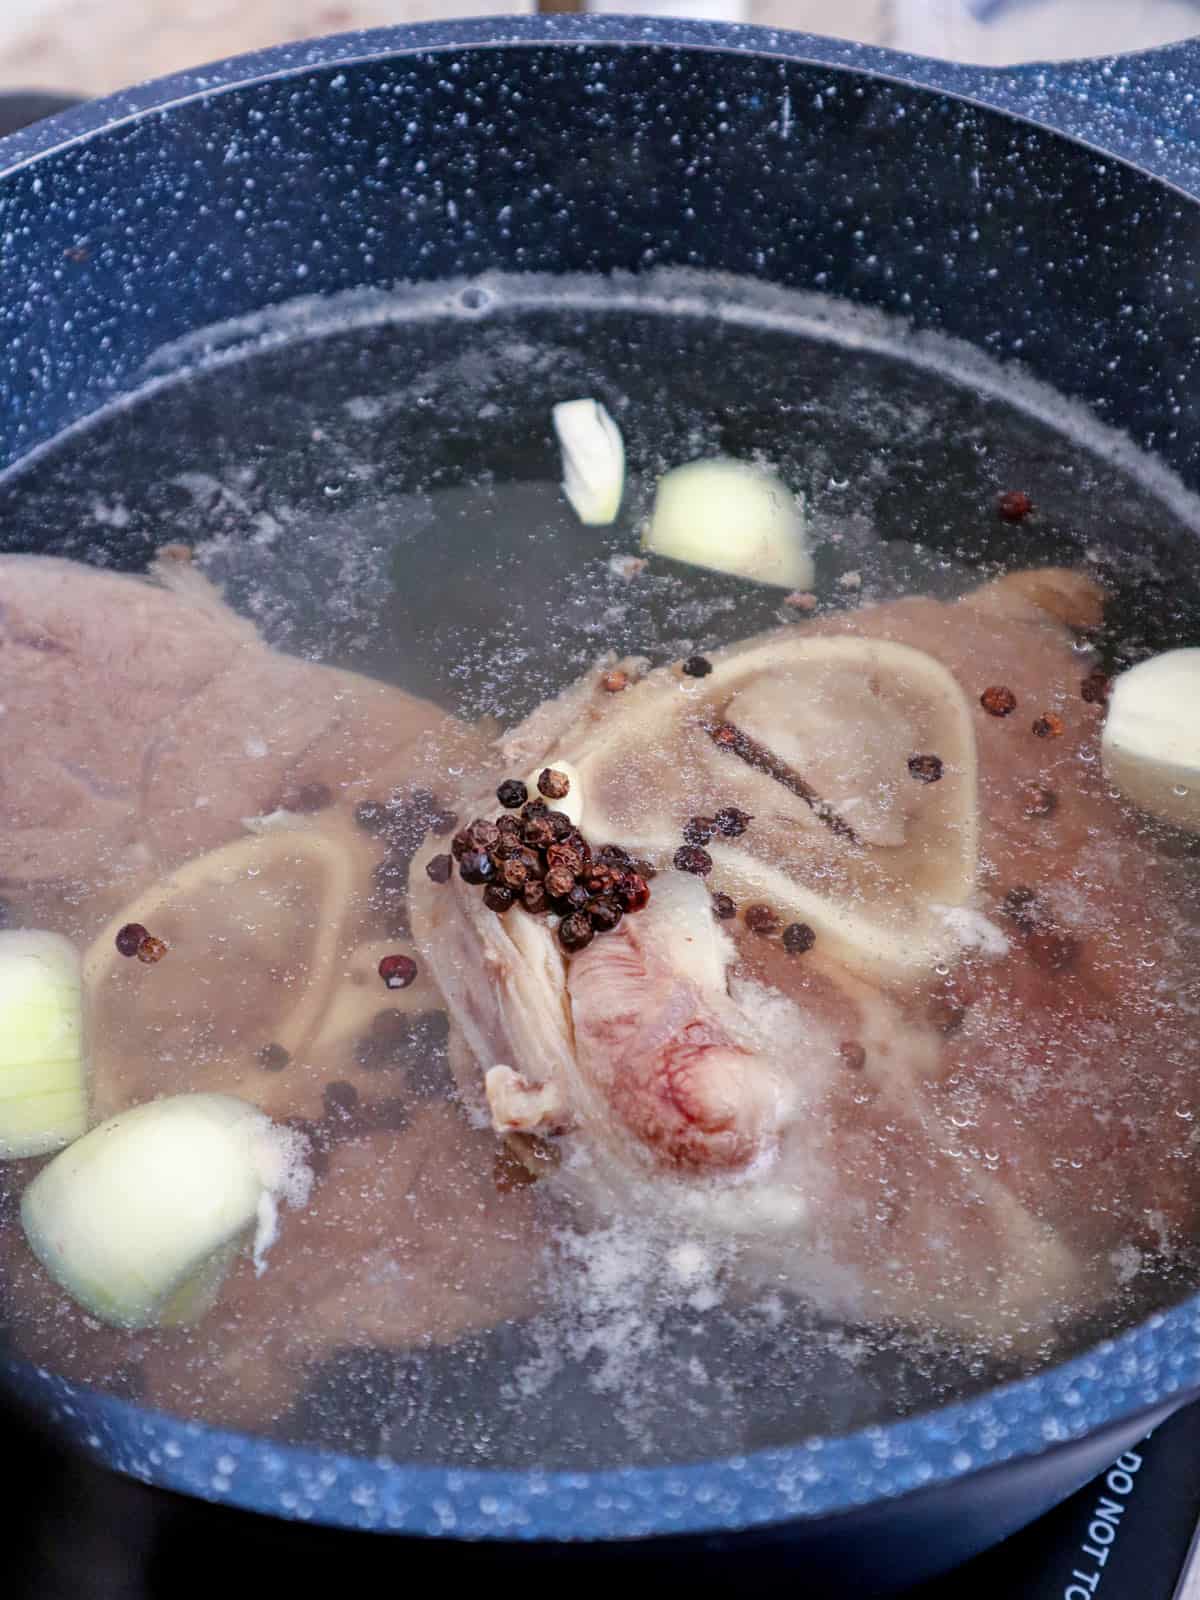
(162, 766)
(147, 727)
(144, 719)
(405, 1242)
(923, 1103)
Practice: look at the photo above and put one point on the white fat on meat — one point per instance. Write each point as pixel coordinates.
(851, 743)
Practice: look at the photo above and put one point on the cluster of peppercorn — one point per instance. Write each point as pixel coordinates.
(540, 861)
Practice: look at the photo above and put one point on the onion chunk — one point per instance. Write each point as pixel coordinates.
(1151, 741)
(731, 516)
(43, 1087)
(141, 1218)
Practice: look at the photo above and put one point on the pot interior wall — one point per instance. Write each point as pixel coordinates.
(596, 159)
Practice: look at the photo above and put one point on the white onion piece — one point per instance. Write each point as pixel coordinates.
(593, 456)
(731, 517)
(141, 1218)
(43, 1087)
(1151, 740)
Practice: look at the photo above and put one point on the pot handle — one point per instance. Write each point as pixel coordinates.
(1144, 108)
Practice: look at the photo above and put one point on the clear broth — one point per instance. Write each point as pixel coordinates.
(332, 477)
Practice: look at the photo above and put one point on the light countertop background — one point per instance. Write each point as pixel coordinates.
(94, 46)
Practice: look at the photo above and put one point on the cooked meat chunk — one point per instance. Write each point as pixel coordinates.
(921, 1102)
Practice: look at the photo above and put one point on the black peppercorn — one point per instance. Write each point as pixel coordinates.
(598, 878)
(760, 919)
(605, 913)
(483, 834)
(460, 844)
(691, 858)
(559, 882)
(533, 898)
(477, 867)
(699, 830)
(561, 823)
(613, 856)
(697, 666)
(576, 932)
(535, 808)
(439, 869)
(513, 874)
(273, 1058)
(538, 834)
(129, 938)
(554, 785)
(926, 769)
(531, 860)
(562, 855)
(512, 793)
(798, 937)
(1049, 726)
(723, 907)
(998, 701)
(732, 822)
(498, 897)
(633, 891)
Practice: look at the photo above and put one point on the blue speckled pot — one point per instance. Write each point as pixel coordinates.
(984, 205)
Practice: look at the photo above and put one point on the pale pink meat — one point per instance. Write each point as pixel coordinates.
(694, 1096)
(142, 722)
